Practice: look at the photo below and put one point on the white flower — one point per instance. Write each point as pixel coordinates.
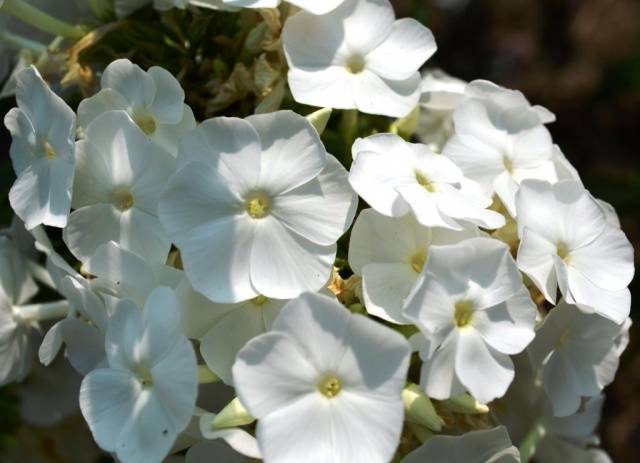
(324, 384)
(474, 311)
(154, 100)
(440, 96)
(389, 253)
(17, 335)
(83, 330)
(138, 405)
(357, 56)
(43, 129)
(312, 6)
(485, 446)
(119, 177)
(257, 207)
(578, 356)
(223, 329)
(566, 242)
(396, 177)
(499, 141)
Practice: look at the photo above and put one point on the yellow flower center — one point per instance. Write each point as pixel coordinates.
(123, 199)
(418, 260)
(145, 121)
(258, 205)
(49, 151)
(425, 182)
(507, 163)
(463, 315)
(330, 386)
(259, 300)
(563, 251)
(356, 64)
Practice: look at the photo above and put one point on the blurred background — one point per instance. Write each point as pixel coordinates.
(580, 59)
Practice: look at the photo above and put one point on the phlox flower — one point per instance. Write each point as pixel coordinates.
(396, 177)
(256, 207)
(474, 311)
(43, 129)
(153, 99)
(120, 175)
(322, 382)
(485, 446)
(390, 253)
(312, 6)
(578, 356)
(357, 57)
(223, 329)
(499, 141)
(567, 243)
(137, 406)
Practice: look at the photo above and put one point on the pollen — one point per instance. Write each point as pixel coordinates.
(49, 151)
(463, 315)
(425, 182)
(145, 121)
(258, 205)
(418, 260)
(356, 64)
(123, 199)
(330, 386)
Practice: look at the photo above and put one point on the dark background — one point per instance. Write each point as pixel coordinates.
(580, 59)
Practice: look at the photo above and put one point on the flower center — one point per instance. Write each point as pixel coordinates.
(330, 386)
(463, 315)
(418, 260)
(425, 182)
(507, 163)
(563, 251)
(356, 64)
(258, 205)
(123, 199)
(49, 151)
(144, 376)
(145, 120)
(259, 300)
(564, 337)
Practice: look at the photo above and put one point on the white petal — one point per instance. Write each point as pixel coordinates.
(403, 52)
(614, 305)
(385, 286)
(508, 327)
(315, 7)
(320, 210)
(366, 23)
(438, 376)
(535, 258)
(229, 144)
(136, 86)
(104, 222)
(167, 106)
(85, 346)
(332, 87)
(393, 98)
(107, 398)
(287, 139)
(105, 100)
(225, 338)
(161, 325)
(123, 334)
(486, 372)
(283, 264)
(169, 136)
(271, 372)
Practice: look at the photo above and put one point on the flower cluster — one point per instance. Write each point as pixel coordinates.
(473, 308)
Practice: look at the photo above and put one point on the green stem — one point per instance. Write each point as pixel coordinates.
(41, 20)
(20, 42)
(349, 127)
(531, 440)
(39, 312)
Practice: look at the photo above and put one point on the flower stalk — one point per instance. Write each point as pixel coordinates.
(41, 20)
(530, 442)
(41, 312)
(20, 42)
(206, 376)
